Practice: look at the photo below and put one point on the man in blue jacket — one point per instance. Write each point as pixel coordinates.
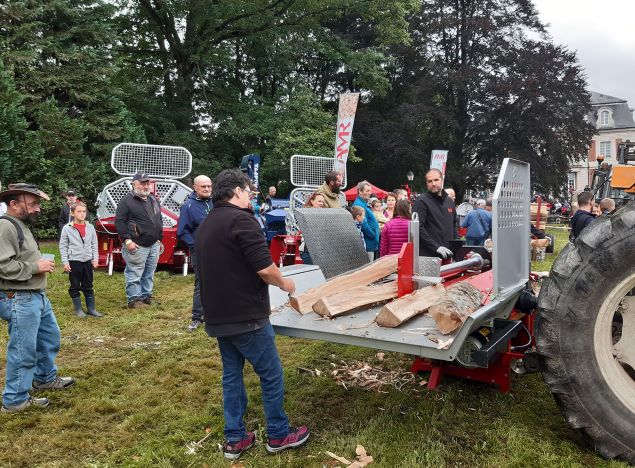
(478, 223)
(370, 226)
(193, 213)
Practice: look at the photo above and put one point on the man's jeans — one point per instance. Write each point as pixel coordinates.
(197, 305)
(139, 272)
(34, 341)
(259, 348)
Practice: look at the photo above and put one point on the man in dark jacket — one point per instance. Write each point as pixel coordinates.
(437, 220)
(193, 213)
(140, 227)
(65, 212)
(235, 267)
(583, 217)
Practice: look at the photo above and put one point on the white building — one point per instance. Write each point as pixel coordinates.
(614, 122)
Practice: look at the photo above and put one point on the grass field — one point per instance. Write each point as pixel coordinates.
(146, 389)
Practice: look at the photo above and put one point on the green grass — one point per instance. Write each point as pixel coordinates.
(146, 388)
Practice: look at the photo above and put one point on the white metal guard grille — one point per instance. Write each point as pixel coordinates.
(159, 161)
(309, 171)
(510, 226)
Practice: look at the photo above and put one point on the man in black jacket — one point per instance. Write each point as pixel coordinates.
(583, 217)
(65, 212)
(235, 267)
(140, 227)
(437, 220)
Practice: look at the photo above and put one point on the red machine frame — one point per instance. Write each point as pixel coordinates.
(499, 371)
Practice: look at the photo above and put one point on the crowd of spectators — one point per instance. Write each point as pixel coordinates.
(221, 224)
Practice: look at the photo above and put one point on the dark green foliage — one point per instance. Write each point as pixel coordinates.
(58, 54)
(21, 154)
(473, 82)
(232, 77)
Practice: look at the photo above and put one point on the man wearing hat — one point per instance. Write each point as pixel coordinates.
(140, 228)
(34, 336)
(65, 212)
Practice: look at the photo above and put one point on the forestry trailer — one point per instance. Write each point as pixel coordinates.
(483, 321)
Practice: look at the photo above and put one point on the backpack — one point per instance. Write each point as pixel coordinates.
(17, 228)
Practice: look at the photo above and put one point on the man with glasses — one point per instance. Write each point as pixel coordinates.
(235, 268)
(34, 336)
(193, 213)
(140, 227)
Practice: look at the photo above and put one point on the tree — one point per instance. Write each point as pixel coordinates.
(204, 67)
(21, 155)
(473, 82)
(58, 55)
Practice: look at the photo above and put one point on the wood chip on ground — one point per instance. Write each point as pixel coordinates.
(363, 375)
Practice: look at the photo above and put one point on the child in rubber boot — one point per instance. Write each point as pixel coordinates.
(78, 248)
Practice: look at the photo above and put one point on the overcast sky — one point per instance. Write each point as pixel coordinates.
(603, 34)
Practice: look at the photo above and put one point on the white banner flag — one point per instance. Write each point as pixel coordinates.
(438, 160)
(345, 120)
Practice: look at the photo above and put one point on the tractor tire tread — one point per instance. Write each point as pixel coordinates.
(567, 311)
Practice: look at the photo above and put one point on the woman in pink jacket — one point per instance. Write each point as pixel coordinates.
(395, 232)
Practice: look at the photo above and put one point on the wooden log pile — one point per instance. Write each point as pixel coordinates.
(544, 213)
(359, 289)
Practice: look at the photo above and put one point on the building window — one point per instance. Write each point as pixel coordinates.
(605, 149)
(604, 117)
(571, 182)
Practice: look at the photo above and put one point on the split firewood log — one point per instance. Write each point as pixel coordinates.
(364, 276)
(406, 307)
(455, 306)
(540, 242)
(347, 301)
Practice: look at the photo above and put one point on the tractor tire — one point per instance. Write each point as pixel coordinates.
(585, 333)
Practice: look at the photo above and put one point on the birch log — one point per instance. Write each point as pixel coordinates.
(458, 302)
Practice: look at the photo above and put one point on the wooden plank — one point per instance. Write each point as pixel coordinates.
(354, 298)
(458, 302)
(370, 273)
(406, 307)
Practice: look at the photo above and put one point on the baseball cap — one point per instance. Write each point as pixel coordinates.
(70, 192)
(141, 177)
